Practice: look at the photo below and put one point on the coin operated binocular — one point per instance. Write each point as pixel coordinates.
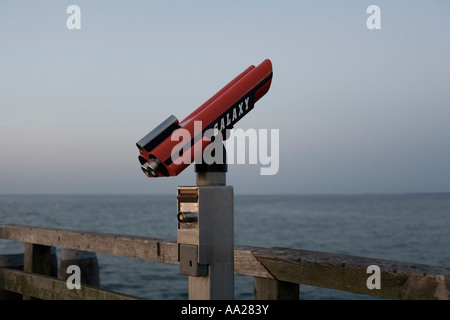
(159, 153)
(205, 212)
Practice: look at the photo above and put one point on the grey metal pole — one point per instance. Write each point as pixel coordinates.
(208, 239)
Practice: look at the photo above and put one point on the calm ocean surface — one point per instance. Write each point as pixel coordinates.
(411, 228)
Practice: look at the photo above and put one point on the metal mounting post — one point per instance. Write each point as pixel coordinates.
(205, 234)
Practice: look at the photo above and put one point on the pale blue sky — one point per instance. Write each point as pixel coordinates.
(359, 111)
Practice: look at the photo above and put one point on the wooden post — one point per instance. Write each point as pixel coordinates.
(271, 289)
(38, 260)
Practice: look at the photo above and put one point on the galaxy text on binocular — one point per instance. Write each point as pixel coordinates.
(231, 116)
(238, 151)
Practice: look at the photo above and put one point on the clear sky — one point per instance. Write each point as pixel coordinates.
(359, 110)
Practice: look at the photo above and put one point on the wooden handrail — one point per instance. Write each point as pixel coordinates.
(399, 280)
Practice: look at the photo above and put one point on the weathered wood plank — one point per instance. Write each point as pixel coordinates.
(47, 288)
(145, 248)
(399, 280)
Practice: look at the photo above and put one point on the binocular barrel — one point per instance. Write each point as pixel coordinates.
(158, 152)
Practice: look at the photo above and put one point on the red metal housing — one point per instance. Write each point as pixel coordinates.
(158, 151)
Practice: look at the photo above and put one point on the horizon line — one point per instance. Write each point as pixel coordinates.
(239, 194)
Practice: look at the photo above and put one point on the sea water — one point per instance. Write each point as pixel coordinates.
(402, 227)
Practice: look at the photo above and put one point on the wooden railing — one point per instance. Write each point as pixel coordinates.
(277, 271)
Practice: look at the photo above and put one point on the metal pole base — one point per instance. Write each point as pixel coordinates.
(205, 234)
